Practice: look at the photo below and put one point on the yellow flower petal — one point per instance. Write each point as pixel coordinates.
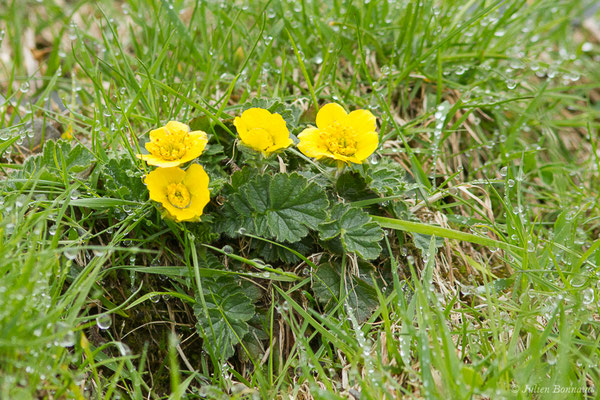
(329, 113)
(279, 132)
(263, 131)
(158, 133)
(254, 117)
(158, 161)
(311, 143)
(361, 121)
(197, 140)
(240, 125)
(196, 180)
(176, 127)
(257, 138)
(366, 144)
(172, 187)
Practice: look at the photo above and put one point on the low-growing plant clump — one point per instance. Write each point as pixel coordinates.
(283, 199)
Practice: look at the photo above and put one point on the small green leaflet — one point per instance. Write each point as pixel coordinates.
(61, 159)
(283, 206)
(122, 179)
(385, 178)
(360, 294)
(224, 322)
(357, 232)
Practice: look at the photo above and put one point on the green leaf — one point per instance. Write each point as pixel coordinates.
(60, 159)
(360, 295)
(385, 178)
(223, 323)
(272, 253)
(352, 187)
(282, 206)
(122, 179)
(420, 240)
(357, 232)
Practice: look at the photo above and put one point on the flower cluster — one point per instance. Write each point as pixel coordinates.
(183, 193)
(338, 135)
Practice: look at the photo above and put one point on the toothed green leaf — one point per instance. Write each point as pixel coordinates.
(355, 229)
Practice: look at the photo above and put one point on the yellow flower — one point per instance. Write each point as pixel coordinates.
(349, 138)
(183, 193)
(173, 145)
(263, 131)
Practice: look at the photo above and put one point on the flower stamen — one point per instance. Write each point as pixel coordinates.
(172, 146)
(339, 139)
(178, 195)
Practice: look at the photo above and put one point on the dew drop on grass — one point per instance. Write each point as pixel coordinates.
(155, 298)
(104, 321)
(511, 84)
(24, 87)
(227, 249)
(578, 281)
(511, 183)
(70, 254)
(68, 339)
(123, 349)
(460, 70)
(588, 296)
(52, 230)
(242, 231)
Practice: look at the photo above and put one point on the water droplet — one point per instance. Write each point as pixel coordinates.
(68, 338)
(24, 87)
(71, 254)
(104, 321)
(503, 171)
(460, 70)
(511, 84)
(123, 349)
(578, 280)
(511, 183)
(242, 231)
(588, 296)
(227, 249)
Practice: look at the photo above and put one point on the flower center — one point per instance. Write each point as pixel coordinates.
(170, 147)
(339, 139)
(178, 195)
